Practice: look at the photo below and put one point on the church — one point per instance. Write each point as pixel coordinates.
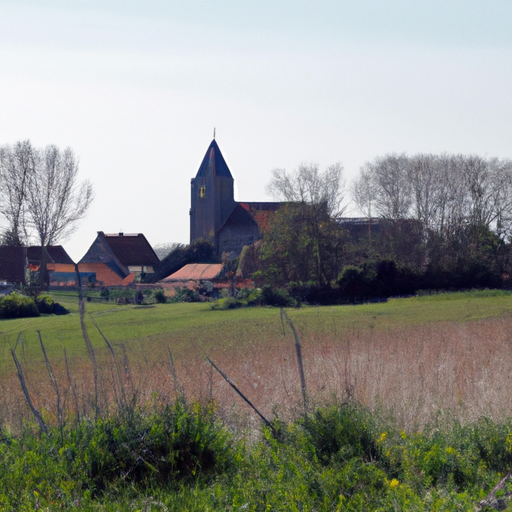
(214, 213)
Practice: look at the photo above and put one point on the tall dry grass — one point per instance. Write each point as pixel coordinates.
(410, 373)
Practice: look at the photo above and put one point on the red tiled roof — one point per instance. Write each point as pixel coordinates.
(196, 272)
(261, 212)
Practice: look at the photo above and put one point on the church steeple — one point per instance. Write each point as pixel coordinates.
(213, 162)
(212, 196)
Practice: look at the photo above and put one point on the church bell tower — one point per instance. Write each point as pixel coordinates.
(212, 196)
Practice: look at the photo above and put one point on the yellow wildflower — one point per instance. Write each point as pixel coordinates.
(382, 437)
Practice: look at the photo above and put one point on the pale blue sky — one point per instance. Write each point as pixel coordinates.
(135, 88)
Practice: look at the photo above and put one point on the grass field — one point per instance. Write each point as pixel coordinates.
(406, 357)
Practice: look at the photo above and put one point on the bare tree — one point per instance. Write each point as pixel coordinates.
(501, 179)
(392, 188)
(163, 250)
(40, 194)
(425, 178)
(310, 186)
(444, 192)
(315, 202)
(55, 200)
(462, 203)
(17, 168)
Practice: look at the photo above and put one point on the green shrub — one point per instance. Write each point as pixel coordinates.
(450, 455)
(160, 296)
(45, 304)
(243, 293)
(122, 295)
(250, 296)
(175, 457)
(267, 296)
(173, 444)
(280, 298)
(185, 295)
(493, 442)
(32, 475)
(225, 303)
(17, 306)
(342, 432)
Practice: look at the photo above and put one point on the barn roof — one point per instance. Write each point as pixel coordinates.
(213, 162)
(12, 264)
(132, 249)
(101, 252)
(56, 253)
(13, 260)
(196, 272)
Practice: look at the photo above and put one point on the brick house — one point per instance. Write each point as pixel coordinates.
(118, 259)
(17, 264)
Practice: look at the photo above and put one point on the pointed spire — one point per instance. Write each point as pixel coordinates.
(214, 162)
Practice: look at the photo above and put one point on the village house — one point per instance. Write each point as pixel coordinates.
(119, 259)
(21, 265)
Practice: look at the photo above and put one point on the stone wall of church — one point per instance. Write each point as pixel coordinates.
(232, 238)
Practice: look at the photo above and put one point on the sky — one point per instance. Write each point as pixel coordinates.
(136, 89)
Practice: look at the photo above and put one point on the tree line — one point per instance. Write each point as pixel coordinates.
(428, 221)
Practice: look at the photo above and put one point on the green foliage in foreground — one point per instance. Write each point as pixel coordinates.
(179, 457)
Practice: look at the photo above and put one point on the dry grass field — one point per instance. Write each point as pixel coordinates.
(407, 358)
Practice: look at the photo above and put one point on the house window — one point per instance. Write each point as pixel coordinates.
(202, 192)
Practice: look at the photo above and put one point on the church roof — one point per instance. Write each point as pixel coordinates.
(214, 162)
(261, 212)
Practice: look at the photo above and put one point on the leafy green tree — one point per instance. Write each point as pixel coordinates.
(304, 240)
(301, 245)
(199, 251)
